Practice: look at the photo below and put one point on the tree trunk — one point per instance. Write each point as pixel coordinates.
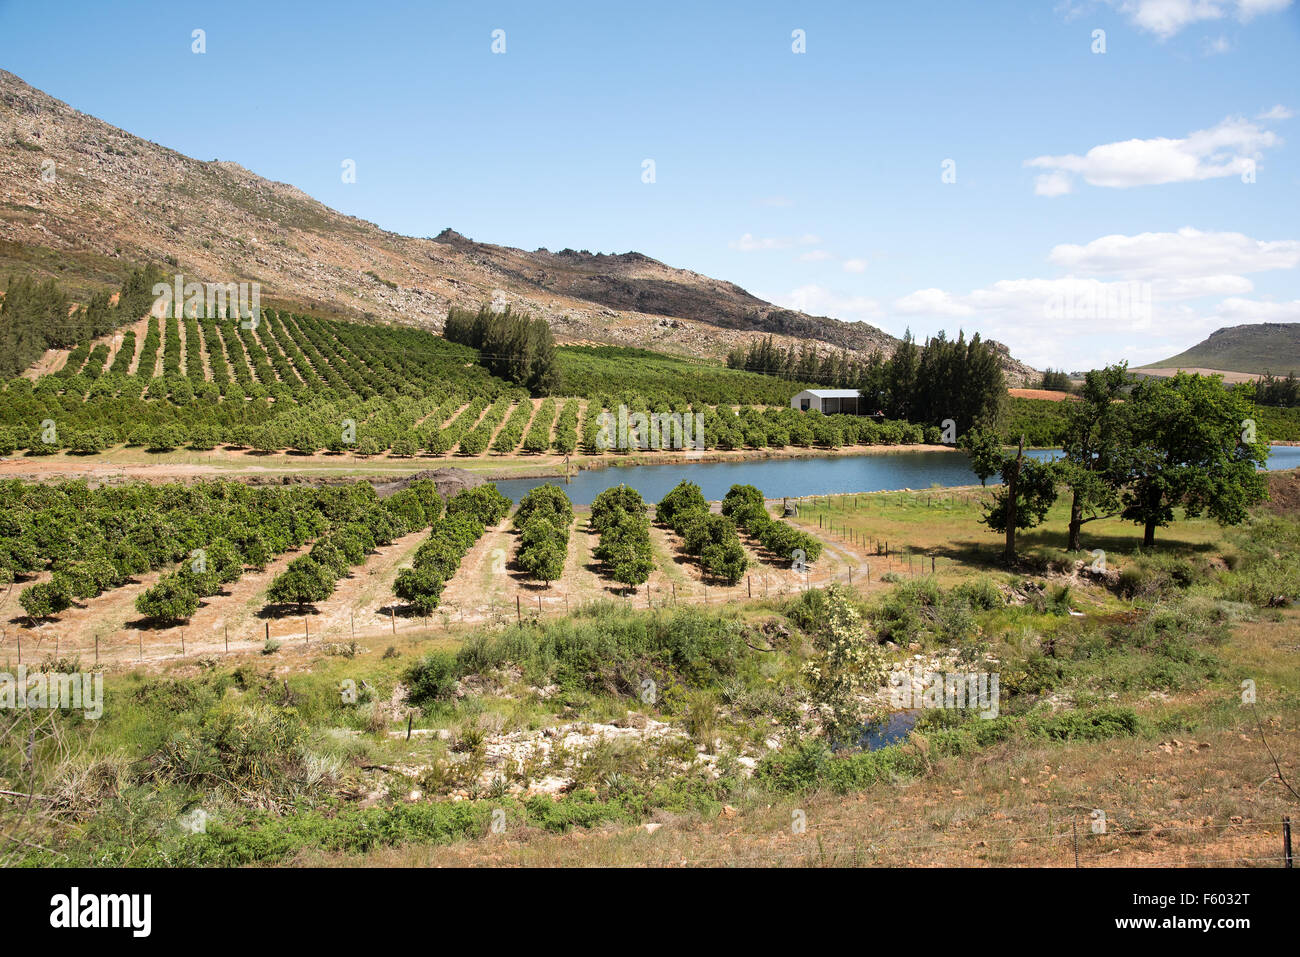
(1076, 524)
(1010, 551)
(1153, 509)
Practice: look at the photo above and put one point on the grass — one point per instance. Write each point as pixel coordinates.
(945, 524)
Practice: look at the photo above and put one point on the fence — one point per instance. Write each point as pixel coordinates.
(878, 558)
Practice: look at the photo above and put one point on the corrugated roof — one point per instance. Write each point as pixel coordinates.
(833, 393)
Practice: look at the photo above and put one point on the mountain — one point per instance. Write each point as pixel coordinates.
(116, 200)
(1251, 350)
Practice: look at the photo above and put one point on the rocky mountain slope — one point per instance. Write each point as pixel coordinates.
(85, 201)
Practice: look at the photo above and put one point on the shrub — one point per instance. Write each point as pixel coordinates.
(171, 599)
(432, 678)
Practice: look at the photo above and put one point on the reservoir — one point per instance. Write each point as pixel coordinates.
(805, 475)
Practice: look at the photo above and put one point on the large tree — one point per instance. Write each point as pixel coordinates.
(984, 448)
(1094, 446)
(1028, 490)
(1190, 442)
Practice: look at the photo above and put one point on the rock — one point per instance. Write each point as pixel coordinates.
(728, 811)
(448, 481)
(651, 826)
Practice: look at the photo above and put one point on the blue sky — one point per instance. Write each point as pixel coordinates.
(1104, 205)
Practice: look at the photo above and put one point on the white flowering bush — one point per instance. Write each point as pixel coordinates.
(849, 664)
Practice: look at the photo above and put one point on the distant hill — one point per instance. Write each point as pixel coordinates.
(117, 200)
(1251, 350)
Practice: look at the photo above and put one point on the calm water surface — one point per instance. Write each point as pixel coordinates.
(807, 475)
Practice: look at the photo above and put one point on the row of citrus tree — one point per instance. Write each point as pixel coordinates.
(93, 540)
(468, 515)
(543, 520)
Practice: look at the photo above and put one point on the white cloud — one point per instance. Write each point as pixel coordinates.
(1228, 149)
(1053, 184)
(1278, 112)
(815, 256)
(749, 243)
(1165, 18)
(1169, 290)
(1247, 10)
(1188, 253)
(855, 265)
(1240, 311)
(819, 301)
(932, 302)
(1125, 297)
(1216, 46)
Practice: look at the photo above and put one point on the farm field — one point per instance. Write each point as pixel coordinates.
(725, 750)
(168, 389)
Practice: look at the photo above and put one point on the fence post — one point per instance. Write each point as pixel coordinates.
(1286, 840)
(392, 617)
(227, 641)
(519, 614)
(268, 632)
